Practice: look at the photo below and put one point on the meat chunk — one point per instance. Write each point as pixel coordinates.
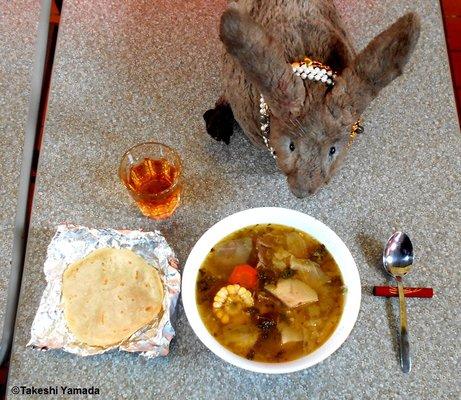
(271, 251)
(293, 292)
(289, 333)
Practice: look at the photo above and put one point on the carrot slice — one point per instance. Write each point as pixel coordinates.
(244, 275)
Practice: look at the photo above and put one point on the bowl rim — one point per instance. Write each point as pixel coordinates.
(291, 218)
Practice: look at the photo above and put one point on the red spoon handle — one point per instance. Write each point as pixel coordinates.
(391, 291)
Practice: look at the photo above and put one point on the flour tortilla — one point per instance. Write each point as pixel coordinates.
(109, 295)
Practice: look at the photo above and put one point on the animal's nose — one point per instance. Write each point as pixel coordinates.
(301, 193)
(298, 193)
(313, 190)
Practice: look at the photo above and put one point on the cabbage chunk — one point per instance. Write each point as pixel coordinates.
(240, 337)
(309, 271)
(231, 253)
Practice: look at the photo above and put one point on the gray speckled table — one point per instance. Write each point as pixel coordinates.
(127, 73)
(18, 31)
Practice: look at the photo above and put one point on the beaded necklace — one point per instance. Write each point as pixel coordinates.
(314, 71)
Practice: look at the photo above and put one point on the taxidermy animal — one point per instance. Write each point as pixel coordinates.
(294, 83)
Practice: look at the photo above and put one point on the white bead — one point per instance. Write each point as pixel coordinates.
(329, 73)
(324, 78)
(317, 77)
(323, 70)
(297, 73)
(311, 76)
(309, 69)
(329, 81)
(316, 69)
(299, 69)
(303, 75)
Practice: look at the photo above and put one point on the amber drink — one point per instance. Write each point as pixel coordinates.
(151, 172)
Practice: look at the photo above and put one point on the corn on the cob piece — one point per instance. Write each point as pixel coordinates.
(231, 300)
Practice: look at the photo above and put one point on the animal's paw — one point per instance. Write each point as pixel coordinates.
(220, 122)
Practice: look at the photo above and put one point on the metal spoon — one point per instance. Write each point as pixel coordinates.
(397, 259)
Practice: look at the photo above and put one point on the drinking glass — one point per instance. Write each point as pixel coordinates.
(151, 172)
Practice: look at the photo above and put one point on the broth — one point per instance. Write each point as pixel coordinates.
(270, 293)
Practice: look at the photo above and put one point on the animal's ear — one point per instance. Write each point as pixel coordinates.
(263, 62)
(376, 66)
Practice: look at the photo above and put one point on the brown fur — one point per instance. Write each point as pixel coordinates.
(262, 38)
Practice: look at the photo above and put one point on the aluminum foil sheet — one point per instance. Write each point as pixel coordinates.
(71, 243)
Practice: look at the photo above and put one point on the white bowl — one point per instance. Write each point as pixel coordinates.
(294, 219)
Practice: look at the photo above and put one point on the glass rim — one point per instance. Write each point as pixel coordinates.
(169, 148)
